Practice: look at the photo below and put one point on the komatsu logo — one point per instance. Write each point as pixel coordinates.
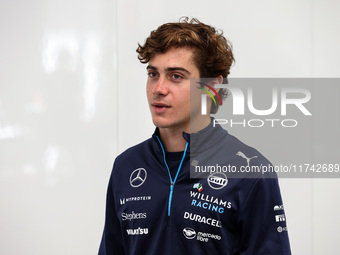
(137, 231)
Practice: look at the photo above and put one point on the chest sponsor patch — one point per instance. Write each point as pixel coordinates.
(137, 231)
(124, 200)
(202, 219)
(190, 233)
(208, 202)
(133, 216)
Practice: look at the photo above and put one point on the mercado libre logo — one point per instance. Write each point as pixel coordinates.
(204, 96)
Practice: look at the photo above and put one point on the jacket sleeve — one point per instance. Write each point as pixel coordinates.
(111, 243)
(262, 221)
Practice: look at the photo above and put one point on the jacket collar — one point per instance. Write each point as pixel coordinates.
(202, 140)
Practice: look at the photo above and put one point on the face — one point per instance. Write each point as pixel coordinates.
(168, 88)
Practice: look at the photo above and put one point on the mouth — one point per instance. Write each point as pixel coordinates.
(160, 107)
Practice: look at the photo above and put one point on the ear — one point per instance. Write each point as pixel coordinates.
(217, 80)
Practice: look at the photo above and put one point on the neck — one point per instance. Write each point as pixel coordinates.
(173, 139)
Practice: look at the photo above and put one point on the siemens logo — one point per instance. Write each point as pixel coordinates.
(133, 216)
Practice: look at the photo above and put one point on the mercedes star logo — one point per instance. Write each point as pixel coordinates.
(138, 177)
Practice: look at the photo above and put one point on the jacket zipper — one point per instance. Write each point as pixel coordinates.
(172, 182)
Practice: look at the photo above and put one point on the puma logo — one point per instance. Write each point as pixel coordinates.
(241, 154)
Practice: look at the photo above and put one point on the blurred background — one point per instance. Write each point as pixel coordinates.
(72, 97)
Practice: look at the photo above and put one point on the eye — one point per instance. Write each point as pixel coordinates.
(152, 74)
(176, 77)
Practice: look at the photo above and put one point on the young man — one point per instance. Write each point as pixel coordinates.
(153, 206)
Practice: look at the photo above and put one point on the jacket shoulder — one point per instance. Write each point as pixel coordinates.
(135, 151)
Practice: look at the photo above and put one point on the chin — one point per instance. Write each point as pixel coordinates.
(161, 123)
(165, 123)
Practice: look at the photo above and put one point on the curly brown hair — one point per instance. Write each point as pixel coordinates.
(212, 51)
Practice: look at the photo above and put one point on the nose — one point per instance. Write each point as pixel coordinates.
(161, 87)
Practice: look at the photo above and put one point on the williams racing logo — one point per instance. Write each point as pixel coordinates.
(208, 202)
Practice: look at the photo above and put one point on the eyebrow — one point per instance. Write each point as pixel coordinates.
(169, 69)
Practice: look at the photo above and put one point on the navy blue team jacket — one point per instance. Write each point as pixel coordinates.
(149, 211)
